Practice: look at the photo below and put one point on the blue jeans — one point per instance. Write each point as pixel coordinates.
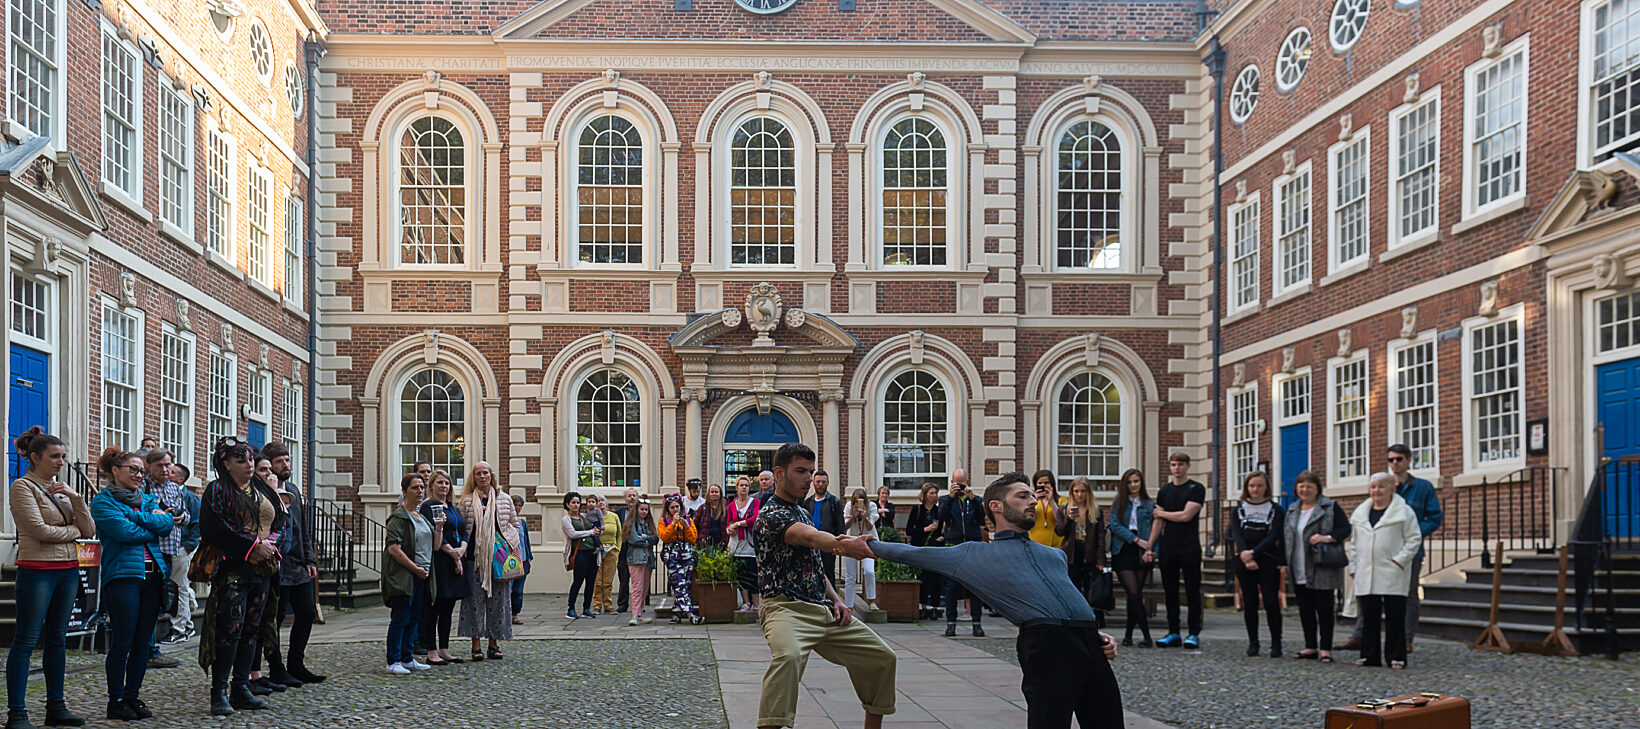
(405, 622)
(45, 598)
(132, 606)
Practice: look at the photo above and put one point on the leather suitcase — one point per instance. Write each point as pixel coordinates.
(1417, 711)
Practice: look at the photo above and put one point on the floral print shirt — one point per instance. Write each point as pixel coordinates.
(787, 569)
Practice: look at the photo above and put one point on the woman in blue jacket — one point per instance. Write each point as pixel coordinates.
(129, 525)
(1130, 514)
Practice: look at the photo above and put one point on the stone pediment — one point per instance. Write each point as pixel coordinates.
(763, 315)
(885, 21)
(1590, 199)
(50, 182)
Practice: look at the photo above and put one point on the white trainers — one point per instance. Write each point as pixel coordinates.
(416, 665)
(633, 621)
(398, 669)
(871, 606)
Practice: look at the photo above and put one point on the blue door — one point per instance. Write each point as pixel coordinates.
(257, 434)
(1295, 459)
(1619, 411)
(30, 398)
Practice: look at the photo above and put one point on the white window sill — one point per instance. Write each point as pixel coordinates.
(1347, 271)
(263, 289)
(1356, 486)
(1497, 210)
(295, 309)
(918, 274)
(133, 206)
(181, 237)
(1492, 473)
(1409, 245)
(1085, 276)
(217, 260)
(1241, 314)
(603, 273)
(1288, 295)
(428, 274)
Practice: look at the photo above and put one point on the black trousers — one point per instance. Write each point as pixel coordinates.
(930, 588)
(1186, 565)
(1315, 612)
(298, 600)
(624, 601)
(1265, 581)
(1376, 611)
(586, 573)
(1066, 674)
(954, 592)
(435, 623)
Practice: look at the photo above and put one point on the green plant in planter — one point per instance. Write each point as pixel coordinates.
(715, 565)
(894, 571)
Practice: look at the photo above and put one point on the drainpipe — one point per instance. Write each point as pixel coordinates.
(1215, 68)
(311, 50)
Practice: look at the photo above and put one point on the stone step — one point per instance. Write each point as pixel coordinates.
(1542, 616)
(1461, 629)
(1521, 595)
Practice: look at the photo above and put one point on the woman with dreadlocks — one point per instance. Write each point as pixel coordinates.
(239, 526)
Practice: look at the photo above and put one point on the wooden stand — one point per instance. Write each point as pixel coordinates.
(1557, 644)
(1491, 638)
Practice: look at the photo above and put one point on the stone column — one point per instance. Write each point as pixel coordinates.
(831, 455)
(692, 398)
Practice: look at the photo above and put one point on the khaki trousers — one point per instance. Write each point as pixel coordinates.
(794, 629)
(601, 584)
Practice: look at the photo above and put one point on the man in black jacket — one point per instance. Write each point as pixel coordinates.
(298, 570)
(960, 514)
(826, 511)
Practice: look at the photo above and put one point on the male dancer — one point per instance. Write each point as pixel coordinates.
(801, 611)
(1066, 660)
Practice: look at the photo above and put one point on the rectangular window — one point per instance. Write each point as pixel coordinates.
(1295, 398)
(176, 379)
(258, 208)
(260, 391)
(30, 307)
(294, 272)
(1617, 322)
(1349, 419)
(1614, 52)
(224, 397)
(1412, 398)
(1495, 130)
(1415, 139)
(219, 194)
(290, 422)
(1243, 435)
(122, 116)
(33, 89)
(1493, 376)
(1244, 230)
(1293, 229)
(122, 376)
(1348, 201)
(176, 142)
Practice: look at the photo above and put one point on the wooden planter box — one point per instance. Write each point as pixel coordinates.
(717, 601)
(899, 600)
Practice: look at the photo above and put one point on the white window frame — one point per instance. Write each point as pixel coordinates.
(259, 264)
(1395, 240)
(1471, 456)
(185, 449)
(1333, 366)
(47, 311)
(290, 421)
(955, 173)
(468, 421)
(1587, 153)
(1124, 407)
(132, 196)
(250, 41)
(57, 112)
(138, 389)
(1335, 264)
(1250, 256)
(1127, 251)
(1600, 356)
(1471, 206)
(1392, 377)
(295, 272)
(184, 227)
(881, 450)
(1242, 405)
(650, 188)
(232, 413)
(229, 254)
(472, 186)
(1278, 253)
(261, 383)
(1279, 416)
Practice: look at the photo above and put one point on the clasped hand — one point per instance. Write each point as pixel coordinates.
(855, 547)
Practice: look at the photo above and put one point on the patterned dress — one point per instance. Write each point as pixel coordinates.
(678, 552)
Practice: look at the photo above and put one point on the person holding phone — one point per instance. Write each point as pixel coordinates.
(920, 524)
(50, 517)
(449, 571)
(862, 519)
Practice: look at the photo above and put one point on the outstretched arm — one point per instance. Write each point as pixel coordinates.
(944, 560)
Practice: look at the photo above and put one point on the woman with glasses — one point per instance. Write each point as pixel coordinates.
(129, 526)
(239, 526)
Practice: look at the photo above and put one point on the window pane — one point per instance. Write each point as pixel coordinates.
(432, 193)
(1089, 428)
(431, 427)
(914, 194)
(1089, 207)
(762, 195)
(914, 430)
(608, 432)
(609, 192)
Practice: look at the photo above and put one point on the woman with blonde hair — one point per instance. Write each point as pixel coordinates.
(861, 519)
(1081, 529)
(490, 516)
(450, 566)
(919, 530)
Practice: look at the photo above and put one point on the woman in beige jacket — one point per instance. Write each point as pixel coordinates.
(50, 516)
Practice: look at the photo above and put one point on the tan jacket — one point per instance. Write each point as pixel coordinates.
(43, 534)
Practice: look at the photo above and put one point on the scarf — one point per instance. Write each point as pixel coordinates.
(129, 497)
(486, 522)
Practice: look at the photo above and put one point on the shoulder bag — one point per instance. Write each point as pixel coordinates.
(1328, 555)
(505, 564)
(1101, 594)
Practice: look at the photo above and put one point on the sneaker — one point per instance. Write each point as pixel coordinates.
(584, 614)
(950, 630)
(696, 619)
(633, 621)
(137, 706)
(121, 711)
(416, 665)
(571, 614)
(871, 605)
(646, 620)
(1171, 640)
(163, 662)
(1192, 643)
(398, 669)
(176, 636)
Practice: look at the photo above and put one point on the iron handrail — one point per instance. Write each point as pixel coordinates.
(1601, 529)
(1517, 508)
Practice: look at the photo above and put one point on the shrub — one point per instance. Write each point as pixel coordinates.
(894, 571)
(714, 564)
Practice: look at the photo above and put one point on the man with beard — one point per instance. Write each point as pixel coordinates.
(298, 571)
(1064, 657)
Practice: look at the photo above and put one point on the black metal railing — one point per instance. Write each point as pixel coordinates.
(1517, 509)
(345, 542)
(88, 486)
(1608, 523)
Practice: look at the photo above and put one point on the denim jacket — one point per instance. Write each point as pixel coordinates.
(1120, 535)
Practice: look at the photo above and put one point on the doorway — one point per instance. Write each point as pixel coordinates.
(1618, 387)
(750, 443)
(30, 399)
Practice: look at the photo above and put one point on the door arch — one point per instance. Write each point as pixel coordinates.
(740, 432)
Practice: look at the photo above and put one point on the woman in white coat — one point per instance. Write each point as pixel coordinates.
(1384, 539)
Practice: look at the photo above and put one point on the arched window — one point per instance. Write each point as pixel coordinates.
(609, 192)
(608, 431)
(915, 191)
(1088, 427)
(915, 430)
(1088, 223)
(762, 194)
(432, 193)
(433, 422)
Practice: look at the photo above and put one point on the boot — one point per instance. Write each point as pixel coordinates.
(220, 706)
(120, 710)
(140, 708)
(260, 687)
(240, 697)
(301, 673)
(277, 674)
(57, 714)
(18, 719)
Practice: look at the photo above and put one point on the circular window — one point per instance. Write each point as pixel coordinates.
(261, 51)
(1244, 94)
(1349, 19)
(222, 23)
(1293, 59)
(293, 88)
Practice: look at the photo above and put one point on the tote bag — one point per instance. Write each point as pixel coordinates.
(505, 563)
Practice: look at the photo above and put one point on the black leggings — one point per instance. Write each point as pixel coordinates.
(1265, 580)
(1133, 583)
(435, 623)
(1315, 610)
(586, 573)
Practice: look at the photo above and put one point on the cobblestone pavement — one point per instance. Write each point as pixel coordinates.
(1220, 687)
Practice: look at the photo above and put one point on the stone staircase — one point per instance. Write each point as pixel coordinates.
(1526, 606)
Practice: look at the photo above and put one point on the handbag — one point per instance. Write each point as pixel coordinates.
(1101, 593)
(505, 563)
(1328, 555)
(202, 568)
(574, 549)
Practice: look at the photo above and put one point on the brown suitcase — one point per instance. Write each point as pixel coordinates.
(1418, 711)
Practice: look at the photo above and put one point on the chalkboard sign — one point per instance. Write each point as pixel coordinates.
(84, 619)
